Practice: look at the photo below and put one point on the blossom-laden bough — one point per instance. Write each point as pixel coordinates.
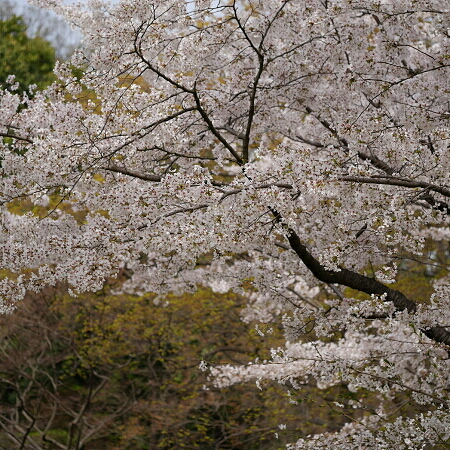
(268, 147)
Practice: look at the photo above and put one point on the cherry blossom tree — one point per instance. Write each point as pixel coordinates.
(275, 148)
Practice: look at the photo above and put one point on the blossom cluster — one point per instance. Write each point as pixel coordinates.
(283, 149)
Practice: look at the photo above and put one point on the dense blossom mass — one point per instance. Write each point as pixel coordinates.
(280, 149)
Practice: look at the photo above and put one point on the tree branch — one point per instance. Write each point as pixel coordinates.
(133, 174)
(18, 138)
(396, 181)
(358, 282)
(193, 92)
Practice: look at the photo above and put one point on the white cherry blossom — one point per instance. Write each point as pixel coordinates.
(277, 148)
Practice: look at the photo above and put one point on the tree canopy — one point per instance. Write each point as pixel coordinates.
(30, 60)
(294, 152)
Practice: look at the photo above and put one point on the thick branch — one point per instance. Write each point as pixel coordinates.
(361, 283)
(348, 278)
(395, 181)
(376, 162)
(130, 173)
(18, 138)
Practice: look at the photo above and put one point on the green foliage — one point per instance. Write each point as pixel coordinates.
(160, 343)
(122, 372)
(31, 60)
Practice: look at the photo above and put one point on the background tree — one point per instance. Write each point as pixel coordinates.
(281, 149)
(123, 372)
(44, 24)
(30, 60)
